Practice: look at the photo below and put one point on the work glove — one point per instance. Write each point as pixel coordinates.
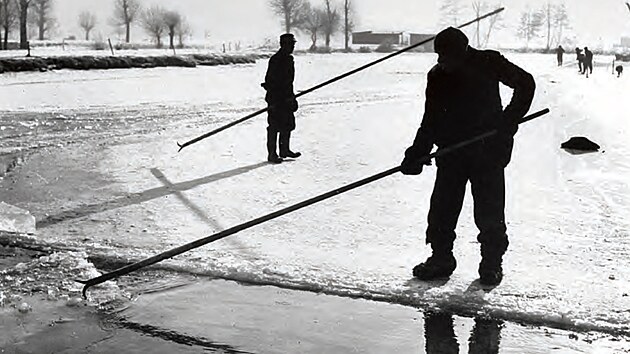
(414, 162)
(507, 126)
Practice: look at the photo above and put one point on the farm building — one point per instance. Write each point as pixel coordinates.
(376, 38)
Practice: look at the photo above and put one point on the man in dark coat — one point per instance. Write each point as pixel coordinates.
(580, 59)
(281, 100)
(560, 54)
(588, 62)
(463, 100)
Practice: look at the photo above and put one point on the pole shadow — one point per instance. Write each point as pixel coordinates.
(198, 212)
(144, 196)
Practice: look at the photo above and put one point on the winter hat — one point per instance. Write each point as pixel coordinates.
(450, 41)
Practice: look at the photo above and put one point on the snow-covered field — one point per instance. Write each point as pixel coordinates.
(568, 215)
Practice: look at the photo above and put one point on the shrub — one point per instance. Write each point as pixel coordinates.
(365, 49)
(99, 45)
(385, 47)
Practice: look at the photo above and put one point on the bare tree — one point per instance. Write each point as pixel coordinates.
(560, 22)
(23, 6)
(529, 26)
(172, 19)
(8, 20)
(546, 16)
(313, 23)
(348, 22)
(331, 21)
(125, 14)
(153, 23)
(483, 31)
(42, 17)
(479, 7)
(87, 21)
(1, 17)
(182, 31)
(450, 11)
(291, 11)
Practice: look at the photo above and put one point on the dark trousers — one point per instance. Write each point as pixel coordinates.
(488, 190)
(281, 139)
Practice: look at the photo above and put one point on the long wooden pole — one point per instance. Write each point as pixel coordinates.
(233, 230)
(333, 80)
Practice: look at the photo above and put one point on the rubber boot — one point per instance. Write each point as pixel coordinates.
(285, 149)
(440, 265)
(491, 266)
(272, 156)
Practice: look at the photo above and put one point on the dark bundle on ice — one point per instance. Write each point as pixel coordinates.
(580, 144)
(619, 70)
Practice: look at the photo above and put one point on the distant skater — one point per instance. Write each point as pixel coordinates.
(463, 100)
(580, 59)
(281, 100)
(560, 55)
(619, 70)
(588, 62)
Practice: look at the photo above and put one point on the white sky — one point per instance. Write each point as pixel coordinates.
(594, 23)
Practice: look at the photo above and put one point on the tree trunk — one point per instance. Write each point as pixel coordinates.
(23, 27)
(87, 35)
(1, 42)
(548, 26)
(346, 29)
(327, 40)
(313, 41)
(287, 22)
(171, 36)
(6, 39)
(127, 32)
(42, 31)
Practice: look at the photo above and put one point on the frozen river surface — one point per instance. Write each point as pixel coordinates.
(567, 214)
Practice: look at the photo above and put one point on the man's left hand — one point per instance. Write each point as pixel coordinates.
(507, 126)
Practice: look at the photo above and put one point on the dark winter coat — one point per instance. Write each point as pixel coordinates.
(280, 95)
(588, 56)
(559, 52)
(467, 102)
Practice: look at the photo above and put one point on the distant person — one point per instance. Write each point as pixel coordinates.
(281, 100)
(619, 70)
(580, 59)
(588, 62)
(463, 100)
(560, 54)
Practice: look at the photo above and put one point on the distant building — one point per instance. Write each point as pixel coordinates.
(415, 38)
(376, 38)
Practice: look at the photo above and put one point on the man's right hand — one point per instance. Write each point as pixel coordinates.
(412, 167)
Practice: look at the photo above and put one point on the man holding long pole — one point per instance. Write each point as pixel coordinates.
(462, 100)
(281, 100)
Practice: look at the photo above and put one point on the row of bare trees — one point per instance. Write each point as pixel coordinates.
(156, 21)
(316, 17)
(552, 20)
(15, 13)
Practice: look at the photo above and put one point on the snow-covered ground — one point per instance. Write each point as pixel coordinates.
(567, 215)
